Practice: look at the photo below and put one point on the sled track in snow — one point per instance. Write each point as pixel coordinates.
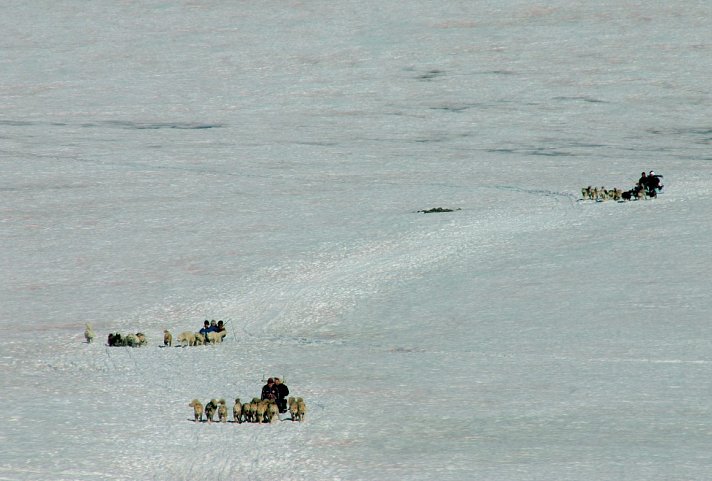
(318, 291)
(320, 288)
(538, 192)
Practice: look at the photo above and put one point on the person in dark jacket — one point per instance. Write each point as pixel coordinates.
(654, 182)
(205, 330)
(269, 391)
(282, 393)
(643, 179)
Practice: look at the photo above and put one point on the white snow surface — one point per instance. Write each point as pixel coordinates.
(163, 163)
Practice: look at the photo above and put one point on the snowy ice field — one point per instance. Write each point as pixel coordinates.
(163, 163)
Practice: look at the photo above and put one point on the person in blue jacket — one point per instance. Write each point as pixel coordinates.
(205, 330)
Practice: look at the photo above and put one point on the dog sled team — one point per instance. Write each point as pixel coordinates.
(130, 340)
(647, 187)
(116, 339)
(210, 333)
(265, 409)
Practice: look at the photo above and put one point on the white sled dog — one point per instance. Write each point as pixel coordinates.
(197, 410)
(272, 412)
(237, 411)
(88, 333)
(222, 411)
(186, 338)
(216, 337)
(297, 409)
(301, 409)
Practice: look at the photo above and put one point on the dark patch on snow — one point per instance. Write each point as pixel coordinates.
(437, 210)
(430, 75)
(156, 125)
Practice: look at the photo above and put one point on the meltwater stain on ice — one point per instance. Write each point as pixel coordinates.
(586, 99)
(700, 135)
(455, 108)
(121, 124)
(430, 75)
(406, 350)
(155, 125)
